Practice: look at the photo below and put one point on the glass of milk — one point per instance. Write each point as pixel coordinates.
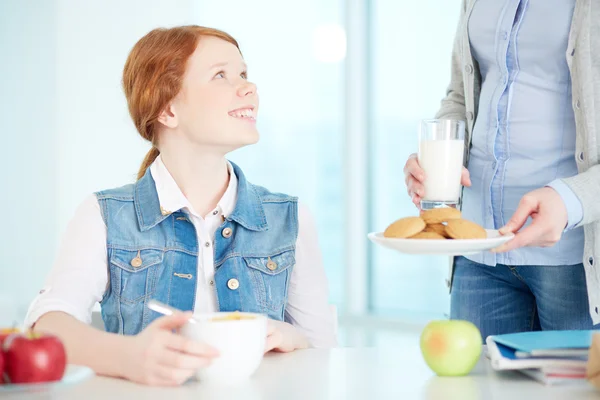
(441, 153)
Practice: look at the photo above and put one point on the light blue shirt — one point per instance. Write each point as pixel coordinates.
(524, 136)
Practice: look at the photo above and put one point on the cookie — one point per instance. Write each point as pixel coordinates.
(439, 215)
(404, 228)
(440, 229)
(464, 229)
(428, 235)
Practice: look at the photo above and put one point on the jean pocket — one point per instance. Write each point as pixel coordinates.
(270, 275)
(133, 272)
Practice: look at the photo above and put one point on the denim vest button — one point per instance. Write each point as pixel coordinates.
(227, 233)
(233, 284)
(136, 262)
(164, 212)
(272, 265)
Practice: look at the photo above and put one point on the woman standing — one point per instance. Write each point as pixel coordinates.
(526, 78)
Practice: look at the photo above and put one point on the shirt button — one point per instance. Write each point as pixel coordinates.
(469, 69)
(577, 105)
(207, 244)
(469, 115)
(215, 212)
(211, 283)
(226, 233)
(591, 260)
(233, 284)
(581, 156)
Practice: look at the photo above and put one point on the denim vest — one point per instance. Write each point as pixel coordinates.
(155, 256)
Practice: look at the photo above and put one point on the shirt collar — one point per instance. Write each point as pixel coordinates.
(172, 199)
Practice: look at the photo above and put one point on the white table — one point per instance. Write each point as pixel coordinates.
(345, 373)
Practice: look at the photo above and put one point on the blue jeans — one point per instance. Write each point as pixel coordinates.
(508, 299)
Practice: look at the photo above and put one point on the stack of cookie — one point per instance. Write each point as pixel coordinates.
(438, 223)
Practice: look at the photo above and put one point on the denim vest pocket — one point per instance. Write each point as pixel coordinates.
(270, 277)
(135, 271)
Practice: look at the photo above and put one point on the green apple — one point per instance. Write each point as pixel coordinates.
(451, 348)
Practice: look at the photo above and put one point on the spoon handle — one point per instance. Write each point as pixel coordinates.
(164, 309)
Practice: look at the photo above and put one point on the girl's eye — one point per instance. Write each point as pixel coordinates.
(220, 74)
(244, 75)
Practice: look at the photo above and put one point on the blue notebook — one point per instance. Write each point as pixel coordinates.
(547, 343)
(504, 358)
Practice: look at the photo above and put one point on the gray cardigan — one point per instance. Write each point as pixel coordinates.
(583, 58)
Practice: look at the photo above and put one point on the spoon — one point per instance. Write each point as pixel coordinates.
(165, 309)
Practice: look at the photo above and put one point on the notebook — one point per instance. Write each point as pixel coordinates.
(552, 376)
(548, 343)
(503, 358)
(550, 357)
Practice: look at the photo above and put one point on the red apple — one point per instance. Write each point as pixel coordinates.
(4, 333)
(1, 366)
(34, 357)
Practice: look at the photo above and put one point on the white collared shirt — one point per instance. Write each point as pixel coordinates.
(79, 276)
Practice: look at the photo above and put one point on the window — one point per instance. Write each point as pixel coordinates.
(411, 45)
(295, 54)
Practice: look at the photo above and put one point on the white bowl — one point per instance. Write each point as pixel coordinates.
(241, 345)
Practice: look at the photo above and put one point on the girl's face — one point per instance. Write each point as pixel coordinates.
(217, 105)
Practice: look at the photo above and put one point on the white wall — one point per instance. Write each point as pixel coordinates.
(28, 199)
(65, 128)
(99, 145)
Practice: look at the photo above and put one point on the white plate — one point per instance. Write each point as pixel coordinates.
(73, 374)
(446, 247)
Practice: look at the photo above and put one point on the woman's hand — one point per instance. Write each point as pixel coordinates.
(157, 356)
(284, 337)
(549, 214)
(414, 176)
